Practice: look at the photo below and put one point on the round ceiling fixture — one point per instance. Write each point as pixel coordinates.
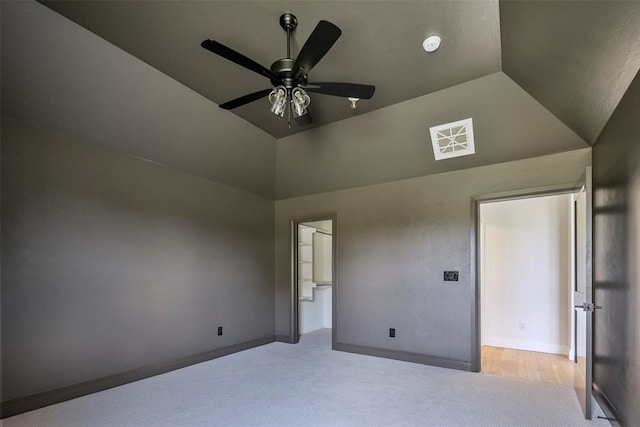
(431, 44)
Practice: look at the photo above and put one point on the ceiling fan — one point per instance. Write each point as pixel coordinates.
(289, 75)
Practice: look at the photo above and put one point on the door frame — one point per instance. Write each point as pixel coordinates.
(476, 273)
(293, 239)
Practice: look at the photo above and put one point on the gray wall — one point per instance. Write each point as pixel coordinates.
(111, 263)
(616, 172)
(394, 242)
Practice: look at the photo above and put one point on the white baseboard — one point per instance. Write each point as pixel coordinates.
(526, 345)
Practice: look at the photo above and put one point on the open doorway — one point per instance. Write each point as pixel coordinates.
(526, 253)
(314, 278)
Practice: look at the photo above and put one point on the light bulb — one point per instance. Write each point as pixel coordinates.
(354, 102)
(300, 101)
(278, 100)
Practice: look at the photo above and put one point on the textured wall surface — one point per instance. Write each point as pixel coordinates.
(111, 263)
(616, 234)
(394, 241)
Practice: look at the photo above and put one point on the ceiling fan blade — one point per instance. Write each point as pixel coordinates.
(238, 102)
(304, 120)
(238, 58)
(354, 90)
(317, 45)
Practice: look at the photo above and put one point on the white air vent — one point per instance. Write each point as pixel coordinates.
(452, 139)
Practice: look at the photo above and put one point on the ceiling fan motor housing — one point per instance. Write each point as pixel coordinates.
(284, 68)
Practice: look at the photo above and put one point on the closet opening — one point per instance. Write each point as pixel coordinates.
(314, 284)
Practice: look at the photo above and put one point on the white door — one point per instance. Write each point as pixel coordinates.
(583, 298)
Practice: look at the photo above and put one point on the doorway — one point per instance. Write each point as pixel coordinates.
(526, 276)
(314, 278)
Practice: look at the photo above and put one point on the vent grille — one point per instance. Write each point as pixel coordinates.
(453, 139)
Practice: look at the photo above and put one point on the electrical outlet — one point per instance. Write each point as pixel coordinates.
(392, 332)
(219, 330)
(521, 326)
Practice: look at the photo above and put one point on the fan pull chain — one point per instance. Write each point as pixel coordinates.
(289, 108)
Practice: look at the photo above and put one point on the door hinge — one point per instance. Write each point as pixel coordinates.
(588, 306)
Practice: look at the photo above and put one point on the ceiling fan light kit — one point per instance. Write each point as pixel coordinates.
(278, 100)
(300, 101)
(289, 75)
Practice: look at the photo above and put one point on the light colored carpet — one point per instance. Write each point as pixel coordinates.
(310, 385)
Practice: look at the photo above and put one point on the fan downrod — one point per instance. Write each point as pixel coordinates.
(284, 67)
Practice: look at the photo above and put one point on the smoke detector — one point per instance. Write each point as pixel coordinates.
(431, 44)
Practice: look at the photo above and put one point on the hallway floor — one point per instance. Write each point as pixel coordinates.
(528, 365)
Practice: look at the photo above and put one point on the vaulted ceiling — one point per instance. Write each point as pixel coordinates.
(576, 58)
(537, 77)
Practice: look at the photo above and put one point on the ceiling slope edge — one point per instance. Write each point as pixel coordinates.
(74, 82)
(576, 58)
(168, 35)
(393, 143)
